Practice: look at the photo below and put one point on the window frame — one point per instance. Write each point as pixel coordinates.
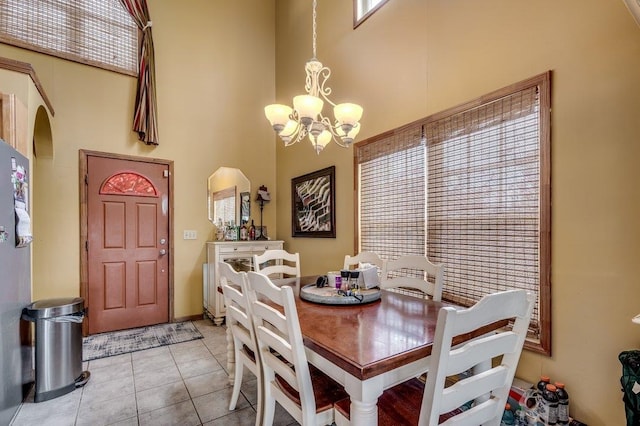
(364, 5)
(543, 82)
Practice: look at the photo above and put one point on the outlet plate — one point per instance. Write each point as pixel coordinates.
(190, 234)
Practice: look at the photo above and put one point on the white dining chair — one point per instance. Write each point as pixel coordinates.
(279, 262)
(413, 402)
(303, 391)
(239, 320)
(363, 257)
(413, 273)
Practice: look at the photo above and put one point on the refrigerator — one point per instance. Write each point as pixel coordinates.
(16, 366)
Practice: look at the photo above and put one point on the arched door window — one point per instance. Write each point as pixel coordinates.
(128, 183)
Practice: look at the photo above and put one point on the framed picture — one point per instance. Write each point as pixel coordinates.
(261, 233)
(245, 207)
(313, 204)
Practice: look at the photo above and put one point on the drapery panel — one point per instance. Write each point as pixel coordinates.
(145, 121)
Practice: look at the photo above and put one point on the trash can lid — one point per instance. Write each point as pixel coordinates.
(49, 308)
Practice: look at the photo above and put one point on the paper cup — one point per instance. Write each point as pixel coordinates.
(332, 278)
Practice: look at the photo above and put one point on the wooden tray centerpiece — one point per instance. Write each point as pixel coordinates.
(331, 296)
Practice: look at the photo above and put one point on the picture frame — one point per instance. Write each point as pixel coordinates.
(245, 207)
(313, 204)
(261, 231)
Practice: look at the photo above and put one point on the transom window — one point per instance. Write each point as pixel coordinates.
(469, 188)
(362, 9)
(94, 32)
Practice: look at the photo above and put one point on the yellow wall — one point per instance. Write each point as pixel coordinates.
(413, 58)
(215, 71)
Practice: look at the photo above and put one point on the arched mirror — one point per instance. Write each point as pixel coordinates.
(228, 196)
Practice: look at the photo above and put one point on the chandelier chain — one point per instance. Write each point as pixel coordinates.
(314, 28)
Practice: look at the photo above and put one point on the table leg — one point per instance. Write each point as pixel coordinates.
(364, 398)
(231, 357)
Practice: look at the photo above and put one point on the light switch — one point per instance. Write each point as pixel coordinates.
(190, 234)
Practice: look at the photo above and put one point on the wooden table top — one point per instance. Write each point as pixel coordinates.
(370, 339)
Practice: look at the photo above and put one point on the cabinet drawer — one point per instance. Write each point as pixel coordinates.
(249, 248)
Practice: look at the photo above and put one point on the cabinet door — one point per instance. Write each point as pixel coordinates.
(240, 257)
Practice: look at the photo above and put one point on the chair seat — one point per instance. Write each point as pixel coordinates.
(325, 389)
(397, 406)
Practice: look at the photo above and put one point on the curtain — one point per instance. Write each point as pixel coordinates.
(145, 114)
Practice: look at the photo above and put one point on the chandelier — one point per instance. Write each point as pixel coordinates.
(306, 118)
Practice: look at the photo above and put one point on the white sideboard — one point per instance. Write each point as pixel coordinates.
(239, 254)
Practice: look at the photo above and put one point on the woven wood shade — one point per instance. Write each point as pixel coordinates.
(94, 32)
(469, 188)
(392, 173)
(483, 203)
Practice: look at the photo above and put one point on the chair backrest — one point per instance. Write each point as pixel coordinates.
(409, 280)
(277, 262)
(280, 342)
(363, 257)
(449, 360)
(235, 289)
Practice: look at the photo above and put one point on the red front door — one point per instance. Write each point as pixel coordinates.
(127, 243)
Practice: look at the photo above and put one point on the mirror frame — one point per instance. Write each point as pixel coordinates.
(225, 178)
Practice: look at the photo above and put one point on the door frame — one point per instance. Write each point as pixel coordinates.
(83, 155)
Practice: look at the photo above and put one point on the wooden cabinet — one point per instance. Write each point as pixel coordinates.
(239, 254)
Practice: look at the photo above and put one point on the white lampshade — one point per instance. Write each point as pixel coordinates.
(324, 138)
(308, 107)
(348, 138)
(278, 115)
(289, 131)
(352, 133)
(347, 113)
(321, 141)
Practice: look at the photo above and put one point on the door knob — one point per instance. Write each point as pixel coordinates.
(163, 252)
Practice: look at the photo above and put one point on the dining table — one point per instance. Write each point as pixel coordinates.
(368, 347)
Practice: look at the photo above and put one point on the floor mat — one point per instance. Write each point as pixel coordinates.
(137, 339)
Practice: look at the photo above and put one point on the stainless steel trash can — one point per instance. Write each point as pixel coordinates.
(58, 365)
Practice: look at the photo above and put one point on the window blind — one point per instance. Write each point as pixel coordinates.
(483, 198)
(94, 32)
(392, 175)
(468, 187)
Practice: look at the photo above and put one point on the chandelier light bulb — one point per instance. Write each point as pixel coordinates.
(289, 131)
(320, 141)
(348, 137)
(347, 114)
(308, 108)
(278, 115)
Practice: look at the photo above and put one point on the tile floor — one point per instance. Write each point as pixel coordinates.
(184, 384)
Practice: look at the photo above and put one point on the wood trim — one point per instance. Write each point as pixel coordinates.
(26, 68)
(70, 57)
(8, 127)
(189, 318)
(82, 190)
(544, 347)
(356, 204)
